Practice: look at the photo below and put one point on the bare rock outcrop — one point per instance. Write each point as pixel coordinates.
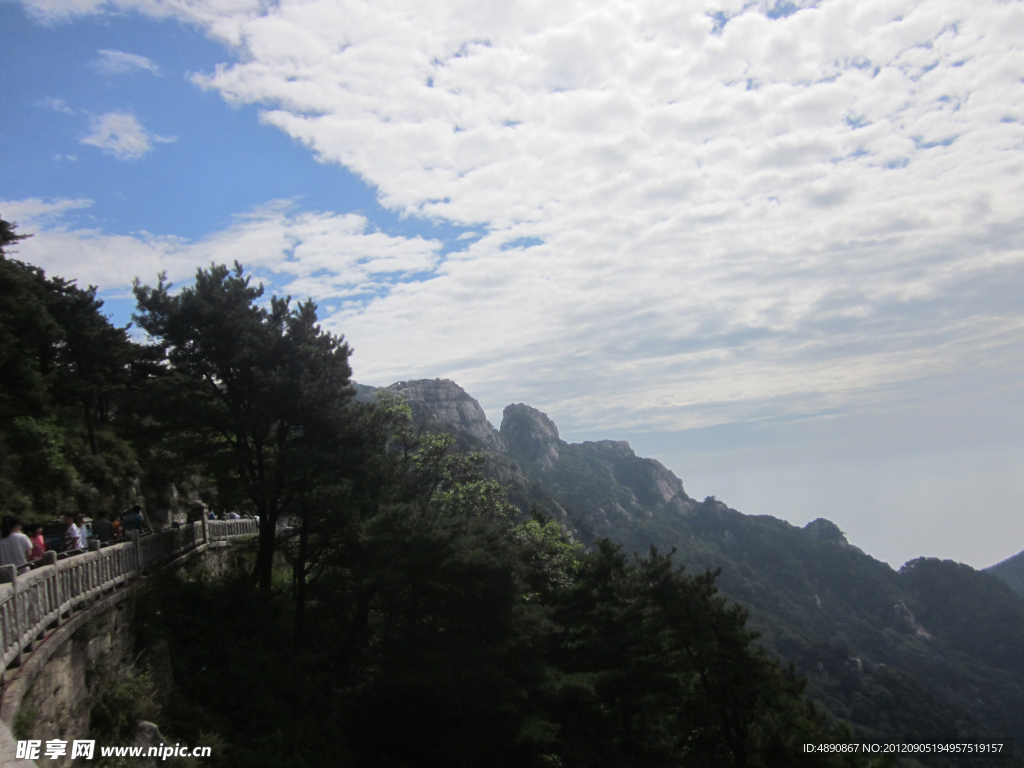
(446, 405)
(530, 436)
(652, 483)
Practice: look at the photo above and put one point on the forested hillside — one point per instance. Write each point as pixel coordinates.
(933, 648)
(1011, 571)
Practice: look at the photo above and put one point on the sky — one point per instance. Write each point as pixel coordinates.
(776, 245)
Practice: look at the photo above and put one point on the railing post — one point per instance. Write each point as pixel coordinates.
(134, 536)
(9, 575)
(50, 558)
(94, 571)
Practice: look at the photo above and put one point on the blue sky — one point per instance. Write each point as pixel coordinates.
(209, 161)
(777, 246)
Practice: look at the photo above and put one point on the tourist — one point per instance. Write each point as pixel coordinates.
(233, 516)
(72, 534)
(118, 527)
(103, 529)
(133, 520)
(83, 532)
(15, 546)
(38, 542)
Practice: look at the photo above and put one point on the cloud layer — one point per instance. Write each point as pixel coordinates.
(692, 213)
(113, 62)
(325, 256)
(120, 134)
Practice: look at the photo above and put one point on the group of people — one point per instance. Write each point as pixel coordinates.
(211, 515)
(16, 548)
(21, 550)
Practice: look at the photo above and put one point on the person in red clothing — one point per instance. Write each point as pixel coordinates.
(38, 542)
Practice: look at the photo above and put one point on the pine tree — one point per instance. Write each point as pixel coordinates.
(255, 395)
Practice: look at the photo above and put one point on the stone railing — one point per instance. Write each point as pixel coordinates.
(35, 601)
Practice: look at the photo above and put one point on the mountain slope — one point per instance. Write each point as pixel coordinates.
(932, 651)
(1010, 571)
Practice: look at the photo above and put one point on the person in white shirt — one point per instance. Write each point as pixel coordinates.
(15, 546)
(72, 535)
(83, 532)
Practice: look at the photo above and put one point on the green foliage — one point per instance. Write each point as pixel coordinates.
(958, 601)
(1011, 572)
(64, 370)
(552, 560)
(254, 397)
(23, 724)
(655, 668)
(441, 633)
(438, 630)
(120, 697)
(849, 622)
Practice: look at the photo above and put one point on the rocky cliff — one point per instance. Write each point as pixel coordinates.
(530, 436)
(446, 405)
(442, 405)
(595, 489)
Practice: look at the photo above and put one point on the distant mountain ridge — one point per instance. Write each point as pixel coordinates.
(1011, 571)
(934, 650)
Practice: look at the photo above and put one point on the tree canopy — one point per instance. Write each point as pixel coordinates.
(64, 370)
(254, 394)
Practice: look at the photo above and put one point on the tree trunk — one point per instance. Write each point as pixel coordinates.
(300, 581)
(263, 570)
(357, 630)
(87, 408)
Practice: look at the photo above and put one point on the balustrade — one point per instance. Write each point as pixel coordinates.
(33, 601)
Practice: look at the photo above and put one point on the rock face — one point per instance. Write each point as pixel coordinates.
(445, 406)
(448, 405)
(633, 485)
(530, 436)
(593, 489)
(650, 481)
(57, 699)
(596, 489)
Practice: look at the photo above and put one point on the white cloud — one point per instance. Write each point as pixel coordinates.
(112, 62)
(322, 255)
(46, 213)
(119, 134)
(57, 105)
(222, 18)
(739, 215)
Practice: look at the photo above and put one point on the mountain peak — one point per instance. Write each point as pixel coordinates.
(529, 435)
(826, 530)
(450, 406)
